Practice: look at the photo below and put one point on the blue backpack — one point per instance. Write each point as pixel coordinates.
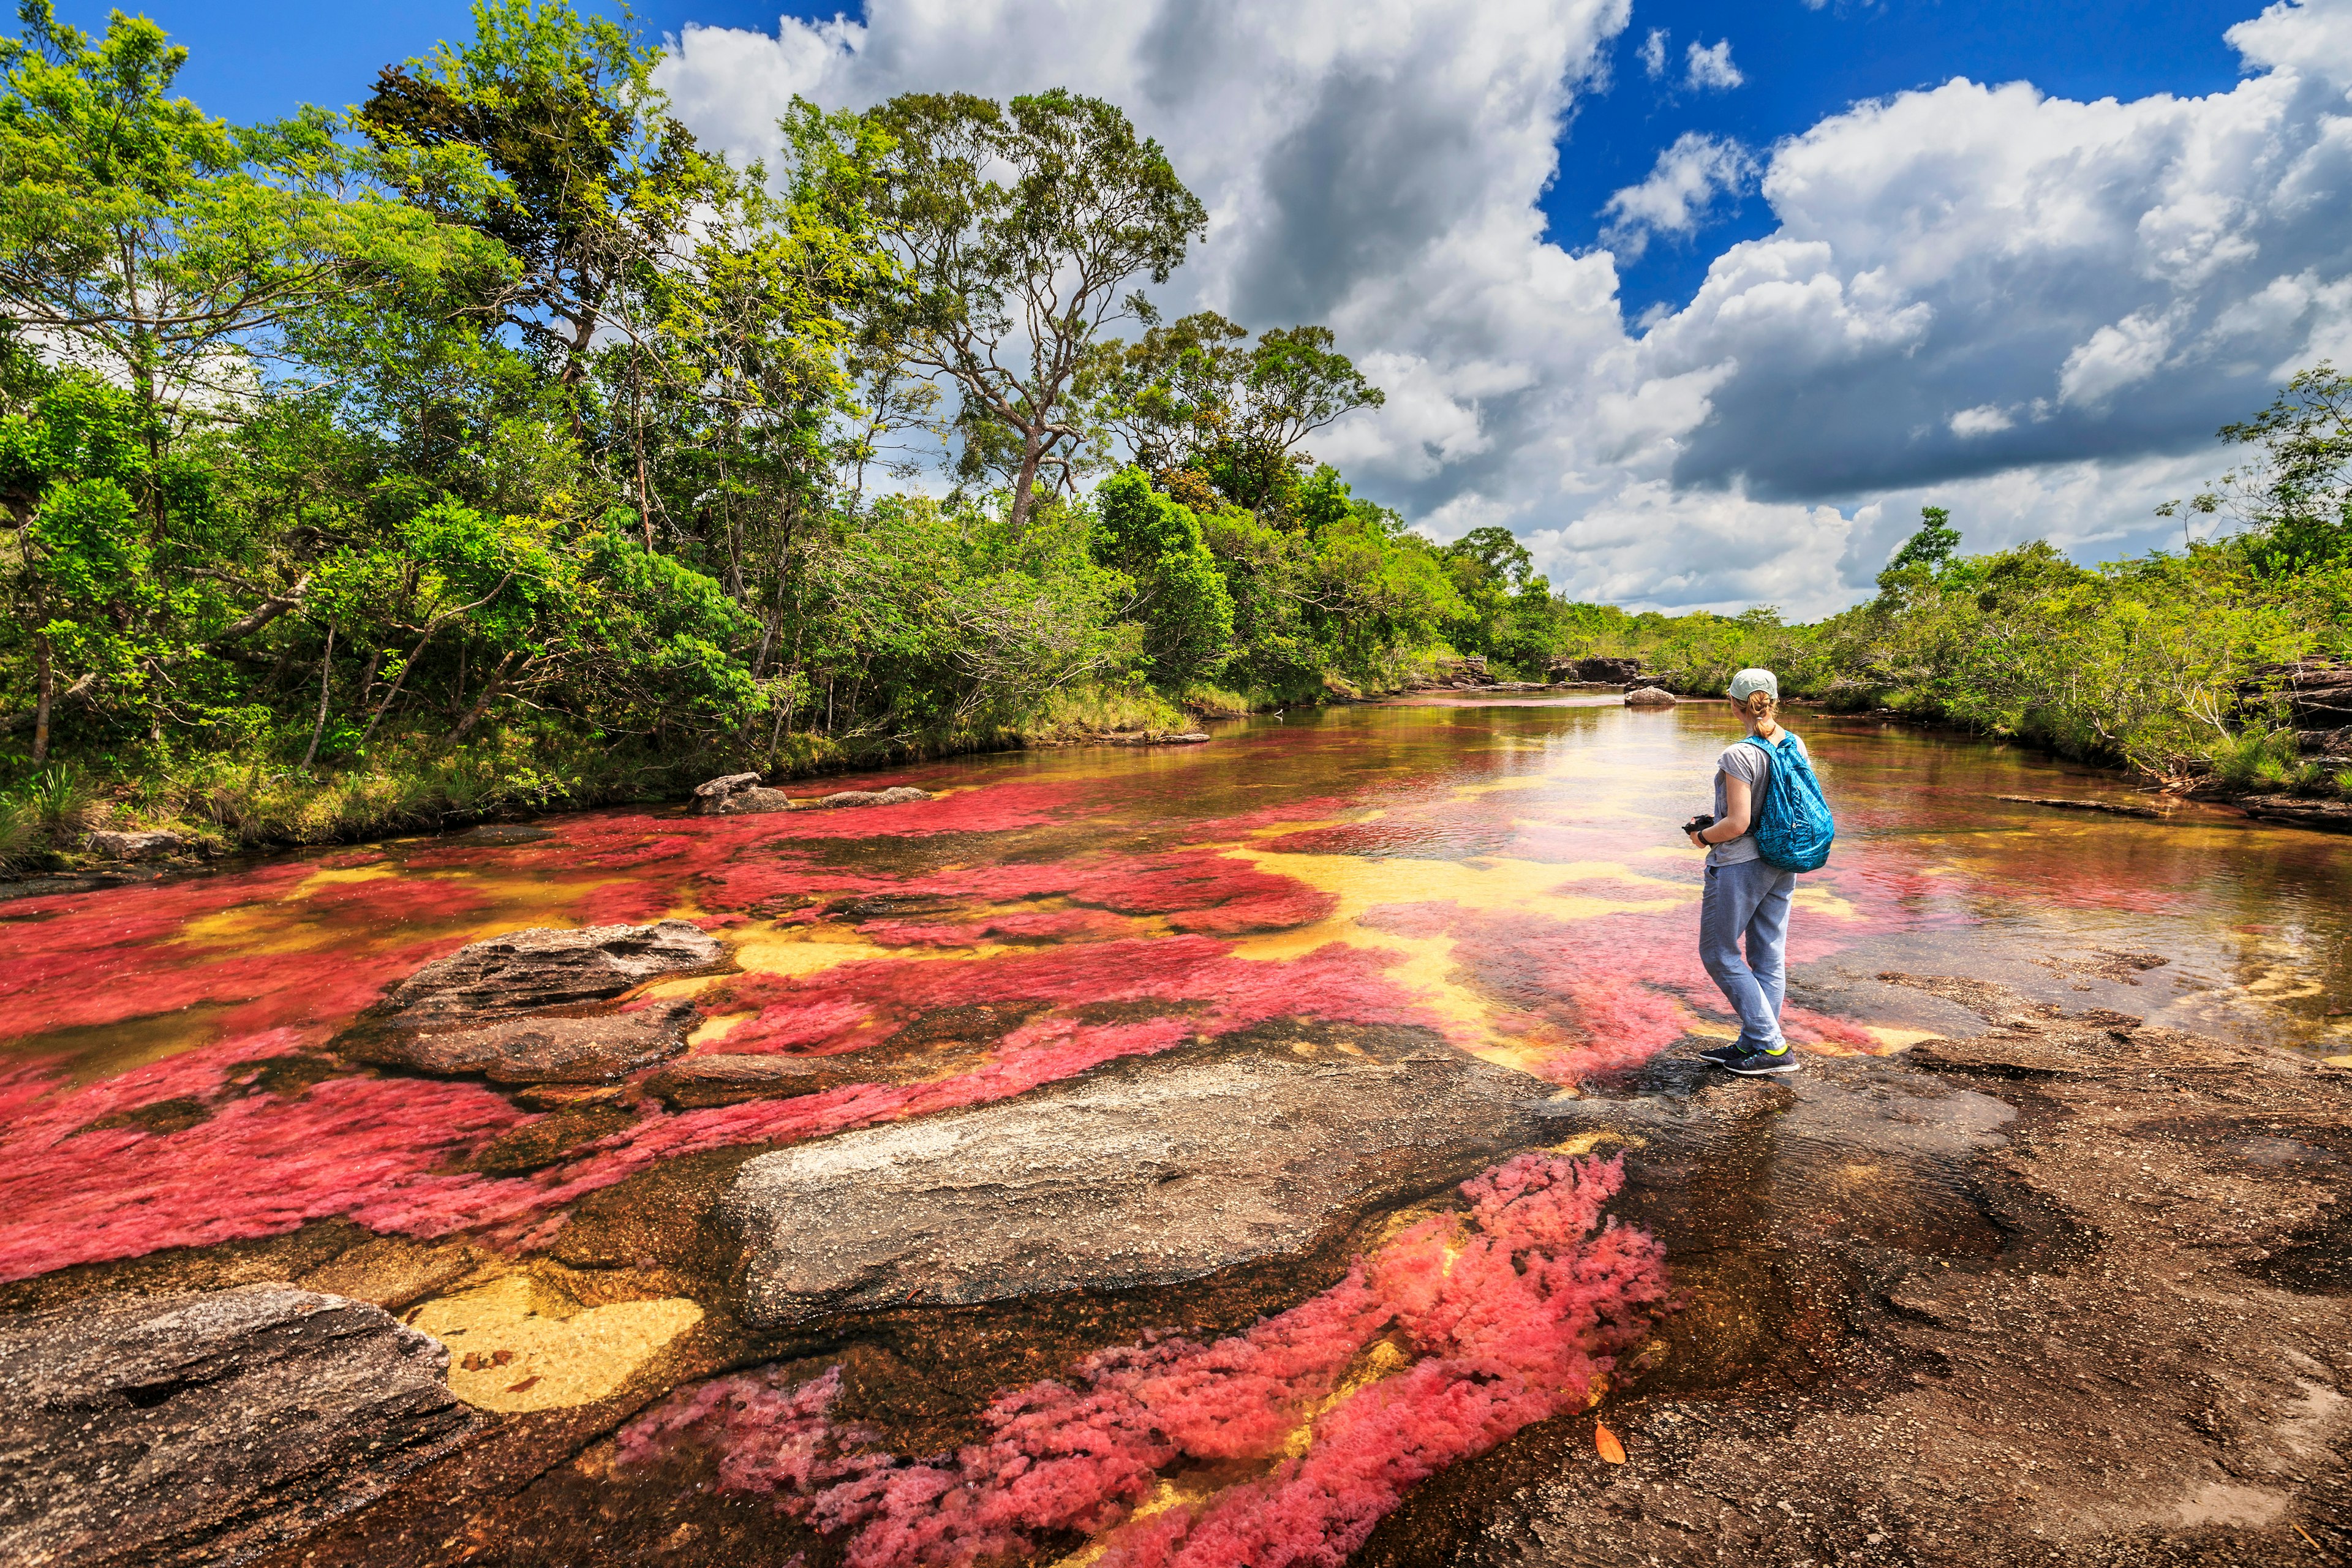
(1793, 826)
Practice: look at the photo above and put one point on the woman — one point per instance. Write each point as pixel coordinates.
(1746, 899)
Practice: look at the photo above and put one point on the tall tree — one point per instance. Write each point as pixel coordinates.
(1019, 224)
(1196, 395)
(166, 250)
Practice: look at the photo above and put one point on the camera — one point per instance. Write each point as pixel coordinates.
(1699, 824)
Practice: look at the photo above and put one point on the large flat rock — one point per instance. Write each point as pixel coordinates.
(547, 1048)
(524, 970)
(167, 1429)
(1162, 1169)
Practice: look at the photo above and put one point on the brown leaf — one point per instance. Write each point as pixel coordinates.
(1606, 1441)
(526, 1383)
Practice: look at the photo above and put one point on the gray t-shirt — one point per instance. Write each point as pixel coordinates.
(1744, 761)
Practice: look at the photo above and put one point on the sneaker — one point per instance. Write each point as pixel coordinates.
(1756, 1064)
(1723, 1055)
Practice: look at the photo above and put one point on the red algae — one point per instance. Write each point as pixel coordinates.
(374, 1149)
(1517, 1313)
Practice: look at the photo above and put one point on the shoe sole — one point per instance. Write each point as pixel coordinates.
(1777, 1068)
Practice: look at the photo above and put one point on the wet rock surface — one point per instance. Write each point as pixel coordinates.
(202, 1428)
(898, 794)
(736, 794)
(1159, 1171)
(546, 1048)
(526, 971)
(721, 1079)
(2110, 1327)
(135, 845)
(2327, 815)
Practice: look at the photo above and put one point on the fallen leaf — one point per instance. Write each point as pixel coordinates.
(526, 1383)
(1606, 1441)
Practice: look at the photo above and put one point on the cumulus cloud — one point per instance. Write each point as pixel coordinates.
(1654, 53)
(1680, 192)
(1711, 67)
(2034, 311)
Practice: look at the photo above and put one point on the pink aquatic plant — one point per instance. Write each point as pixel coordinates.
(1513, 1313)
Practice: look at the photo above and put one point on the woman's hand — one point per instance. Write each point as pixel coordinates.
(1696, 842)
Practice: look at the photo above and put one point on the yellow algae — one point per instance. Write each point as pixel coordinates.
(1381, 1360)
(2337, 1061)
(1894, 1039)
(1586, 1142)
(1168, 1494)
(382, 870)
(1712, 1030)
(552, 1360)
(717, 1028)
(1505, 885)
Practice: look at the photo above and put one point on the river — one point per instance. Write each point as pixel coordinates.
(1499, 878)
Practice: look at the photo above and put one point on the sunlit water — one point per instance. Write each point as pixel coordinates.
(1506, 875)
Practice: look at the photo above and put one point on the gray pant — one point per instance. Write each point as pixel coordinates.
(1749, 902)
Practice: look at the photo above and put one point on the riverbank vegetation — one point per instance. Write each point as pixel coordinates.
(493, 445)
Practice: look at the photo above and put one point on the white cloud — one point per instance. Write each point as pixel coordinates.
(1680, 192)
(1712, 66)
(2032, 310)
(1654, 53)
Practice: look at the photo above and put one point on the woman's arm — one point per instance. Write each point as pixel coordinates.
(1736, 801)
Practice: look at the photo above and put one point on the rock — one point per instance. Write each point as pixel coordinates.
(736, 795)
(1599, 672)
(162, 1429)
(2326, 742)
(900, 795)
(545, 1049)
(521, 971)
(1151, 738)
(147, 846)
(1649, 697)
(2328, 816)
(2116, 809)
(1159, 1171)
(720, 1079)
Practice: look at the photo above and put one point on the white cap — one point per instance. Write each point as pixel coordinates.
(1749, 681)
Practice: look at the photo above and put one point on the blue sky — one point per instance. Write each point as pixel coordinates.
(2033, 304)
(1798, 63)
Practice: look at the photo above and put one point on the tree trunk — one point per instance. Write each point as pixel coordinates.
(326, 668)
(489, 694)
(1024, 491)
(47, 686)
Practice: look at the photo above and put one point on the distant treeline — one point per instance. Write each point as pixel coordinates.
(493, 444)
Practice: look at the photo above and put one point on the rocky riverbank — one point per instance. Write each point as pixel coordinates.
(2062, 1287)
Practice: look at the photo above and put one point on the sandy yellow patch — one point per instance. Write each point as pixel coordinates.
(552, 1360)
(715, 1028)
(1894, 1040)
(2345, 1061)
(1586, 1142)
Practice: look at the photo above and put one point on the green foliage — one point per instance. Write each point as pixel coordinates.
(1180, 598)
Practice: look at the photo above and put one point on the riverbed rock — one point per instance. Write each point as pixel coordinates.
(737, 795)
(202, 1428)
(1599, 672)
(547, 1048)
(1151, 738)
(143, 846)
(723, 1079)
(1159, 1171)
(1649, 697)
(898, 794)
(523, 971)
(2328, 816)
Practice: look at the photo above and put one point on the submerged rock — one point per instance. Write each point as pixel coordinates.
(522, 971)
(147, 845)
(735, 795)
(2328, 816)
(160, 1429)
(533, 1050)
(898, 794)
(700, 1081)
(1154, 1172)
(1649, 697)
